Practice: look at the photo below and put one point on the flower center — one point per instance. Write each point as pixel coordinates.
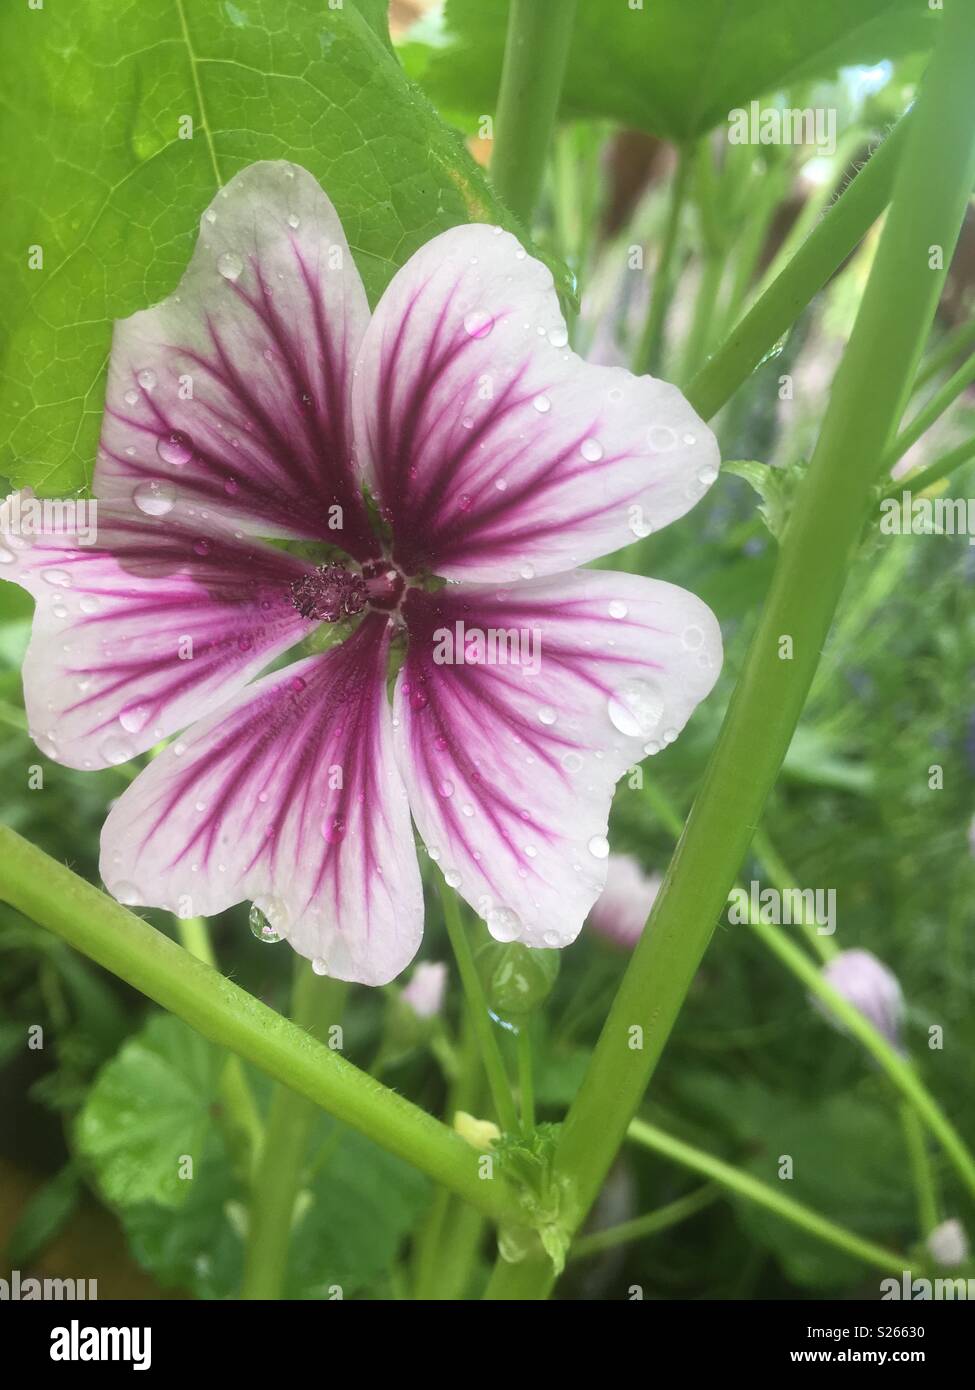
(332, 592)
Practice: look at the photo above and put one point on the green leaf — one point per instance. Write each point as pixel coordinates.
(150, 1107)
(777, 487)
(96, 175)
(676, 67)
(43, 1217)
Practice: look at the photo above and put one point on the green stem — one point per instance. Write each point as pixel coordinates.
(922, 1170)
(130, 948)
(842, 228)
(477, 1007)
(315, 1004)
(866, 401)
(954, 344)
(535, 56)
(526, 1083)
(650, 347)
(642, 1226)
(705, 307)
(764, 1195)
(932, 411)
(923, 478)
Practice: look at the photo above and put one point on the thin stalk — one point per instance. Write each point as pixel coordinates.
(650, 1224)
(933, 410)
(106, 932)
(954, 344)
(705, 307)
(775, 311)
(315, 1004)
(649, 350)
(477, 1007)
(526, 1084)
(922, 1170)
(535, 56)
(867, 399)
(923, 478)
(752, 1189)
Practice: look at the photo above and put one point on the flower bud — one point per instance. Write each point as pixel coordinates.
(480, 1134)
(516, 978)
(424, 994)
(867, 984)
(948, 1244)
(621, 911)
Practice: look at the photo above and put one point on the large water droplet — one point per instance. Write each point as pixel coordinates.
(230, 265)
(504, 924)
(175, 448)
(599, 847)
(636, 708)
(547, 715)
(134, 718)
(61, 579)
(155, 498)
(542, 404)
(146, 378)
(478, 324)
(116, 750)
(558, 336)
(618, 609)
(591, 450)
(452, 878)
(320, 965)
(260, 926)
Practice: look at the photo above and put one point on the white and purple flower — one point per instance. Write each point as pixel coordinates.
(276, 468)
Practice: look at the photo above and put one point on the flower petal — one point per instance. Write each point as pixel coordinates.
(495, 451)
(511, 764)
(152, 625)
(288, 796)
(235, 389)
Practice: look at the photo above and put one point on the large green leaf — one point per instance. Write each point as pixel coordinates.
(149, 1108)
(675, 67)
(96, 174)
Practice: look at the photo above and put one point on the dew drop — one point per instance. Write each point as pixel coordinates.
(504, 924)
(146, 378)
(598, 847)
(467, 422)
(89, 604)
(558, 336)
(131, 398)
(202, 546)
(320, 965)
(155, 498)
(61, 579)
(551, 938)
(116, 750)
(125, 893)
(618, 609)
(465, 501)
(452, 878)
(175, 448)
(294, 222)
(478, 324)
(210, 216)
(636, 708)
(501, 485)
(591, 450)
(527, 571)
(467, 809)
(260, 927)
(446, 788)
(134, 718)
(547, 715)
(542, 404)
(230, 265)
(572, 761)
(661, 438)
(707, 475)
(692, 637)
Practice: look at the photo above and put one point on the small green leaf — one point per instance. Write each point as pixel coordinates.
(775, 486)
(43, 1217)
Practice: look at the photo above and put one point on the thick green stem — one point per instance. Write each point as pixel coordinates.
(867, 400)
(842, 228)
(316, 1005)
(650, 347)
(104, 931)
(535, 56)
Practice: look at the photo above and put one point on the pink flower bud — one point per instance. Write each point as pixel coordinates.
(425, 992)
(620, 912)
(867, 984)
(948, 1244)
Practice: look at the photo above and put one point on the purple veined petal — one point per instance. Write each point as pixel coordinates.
(495, 452)
(517, 711)
(289, 796)
(155, 622)
(235, 389)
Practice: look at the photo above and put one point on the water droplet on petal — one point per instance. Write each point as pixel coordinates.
(155, 498)
(692, 637)
(636, 708)
(230, 265)
(116, 750)
(452, 878)
(131, 398)
(571, 761)
(294, 222)
(465, 501)
(504, 924)
(89, 604)
(598, 847)
(175, 448)
(527, 571)
(661, 438)
(146, 378)
(61, 579)
(591, 450)
(446, 788)
(542, 404)
(202, 546)
(707, 475)
(125, 893)
(558, 336)
(547, 715)
(134, 718)
(618, 609)
(478, 324)
(210, 216)
(320, 965)
(467, 422)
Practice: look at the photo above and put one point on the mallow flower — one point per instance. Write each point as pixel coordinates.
(621, 910)
(278, 470)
